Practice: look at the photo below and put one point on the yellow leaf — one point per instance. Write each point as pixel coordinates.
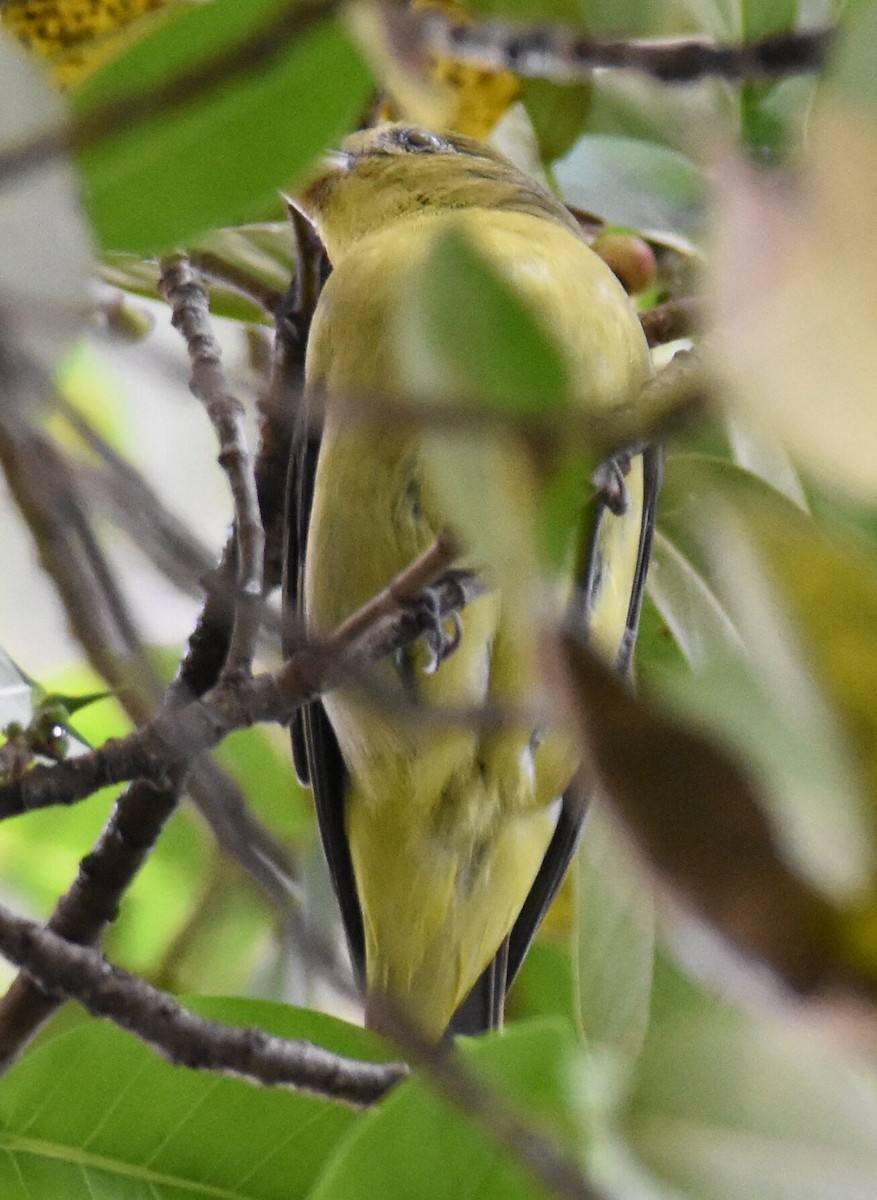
(76, 36)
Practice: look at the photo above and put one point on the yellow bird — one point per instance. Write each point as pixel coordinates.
(446, 844)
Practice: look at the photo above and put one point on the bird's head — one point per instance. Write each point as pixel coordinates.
(380, 175)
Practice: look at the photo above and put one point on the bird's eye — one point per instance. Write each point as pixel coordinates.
(421, 141)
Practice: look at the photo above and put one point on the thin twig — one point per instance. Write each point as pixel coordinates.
(44, 488)
(191, 316)
(566, 54)
(683, 386)
(42, 480)
(182, 1037)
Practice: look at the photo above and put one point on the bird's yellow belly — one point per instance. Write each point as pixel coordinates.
(447, 822)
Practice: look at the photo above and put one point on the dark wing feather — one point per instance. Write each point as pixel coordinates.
(315, 751)
(653, 475)
(329, 778)
(482, 1008)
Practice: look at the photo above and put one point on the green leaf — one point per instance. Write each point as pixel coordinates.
(262, 254)
(633, 183)
(805, 605)
(221, 157)
(559, 114)
(768, 111)
(415, 1144)
(615, 939)
(734, 1107)
(96, 1113)
(693, 613)
(258, 759)
(545, 985)
(468, 336)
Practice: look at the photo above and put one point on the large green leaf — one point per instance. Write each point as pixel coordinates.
(95, 1113)
(467, 335)
(730, 1106)
(415, 1144)
(805, 605)
(221, 157)
(615, 938)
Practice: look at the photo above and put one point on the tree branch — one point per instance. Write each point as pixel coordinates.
(178, 734)
(185, 1039)
(565, 54)
(191, 316)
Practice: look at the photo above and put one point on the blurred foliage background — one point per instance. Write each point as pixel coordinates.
(698, 1018)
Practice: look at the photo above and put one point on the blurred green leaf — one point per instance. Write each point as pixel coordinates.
(415, 1144)
(140, 1127)
(220, 158)
(467, 335)
(615, 938)
(695, 816)
(657, 650)
(261, 253)
(632, 183)
(768, 111)
(559, 114)
(545, 985)
(259, 761)
(732, 1107)
(805, 605)
(691, 610)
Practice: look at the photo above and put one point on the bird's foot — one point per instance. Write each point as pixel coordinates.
(436, 621)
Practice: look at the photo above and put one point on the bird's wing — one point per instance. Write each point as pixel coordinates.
(482, 1008)
(315, 751)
